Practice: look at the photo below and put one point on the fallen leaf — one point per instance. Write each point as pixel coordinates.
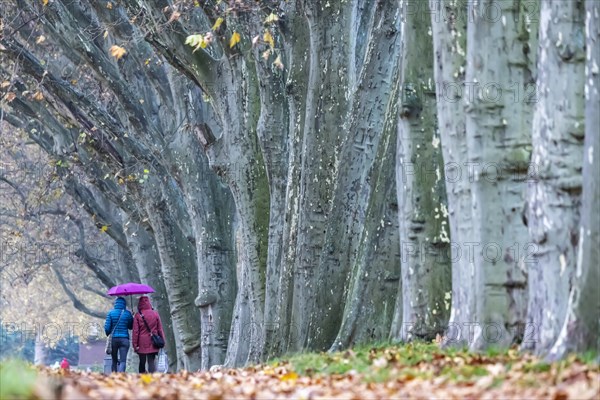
(290, 376)
(40, 39)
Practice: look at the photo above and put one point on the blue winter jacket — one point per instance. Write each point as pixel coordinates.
(125, 323)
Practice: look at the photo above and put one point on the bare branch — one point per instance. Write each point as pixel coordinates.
(76, 302)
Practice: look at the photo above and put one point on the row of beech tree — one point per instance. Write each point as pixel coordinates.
(348, 171)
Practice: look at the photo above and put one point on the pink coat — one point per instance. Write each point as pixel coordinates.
(142, 339)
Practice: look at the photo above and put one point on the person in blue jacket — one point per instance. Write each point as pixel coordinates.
(119, 321)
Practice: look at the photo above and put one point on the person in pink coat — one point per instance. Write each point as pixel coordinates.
(142, 337)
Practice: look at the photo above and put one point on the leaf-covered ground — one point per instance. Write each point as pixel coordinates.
(413, 371)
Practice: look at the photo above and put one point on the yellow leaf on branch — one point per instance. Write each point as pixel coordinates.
(268, 38)
(217, 24)
(271, 18)
(193, 40)
(201, 45)
(117, 51)
(235, 39)
(197, 41)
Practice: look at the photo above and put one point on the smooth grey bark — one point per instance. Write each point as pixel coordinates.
(449, 44)
(316, 254)
(581, 327)
(359, 199)
(311, 310)
(211, 211)
(249, 186)
(279, 286)
(178, 259)
(554, 197)
(235, 154)
(374, 284)
(242, 326)
(498, 141)
(424, 236)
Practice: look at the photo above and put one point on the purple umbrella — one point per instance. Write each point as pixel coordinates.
(128, 289)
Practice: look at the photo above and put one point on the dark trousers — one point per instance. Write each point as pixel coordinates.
(120, 347)
(151, 362)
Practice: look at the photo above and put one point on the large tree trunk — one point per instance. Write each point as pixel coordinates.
(279, 331)
(211, 210)
(146, 257)
(449, 43)
(361, 198)
(323, 215)
(498, 141)
(365, 206)
(318, 271)
(249, 185)
(178, 269)
(424, 236)
(370, 305)
(581, 326)
(555, 190)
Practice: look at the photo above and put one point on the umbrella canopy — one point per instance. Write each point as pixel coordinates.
(129, 289)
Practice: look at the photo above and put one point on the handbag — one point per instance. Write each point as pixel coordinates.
(162, 364)
(108, 348)
(157, 340)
